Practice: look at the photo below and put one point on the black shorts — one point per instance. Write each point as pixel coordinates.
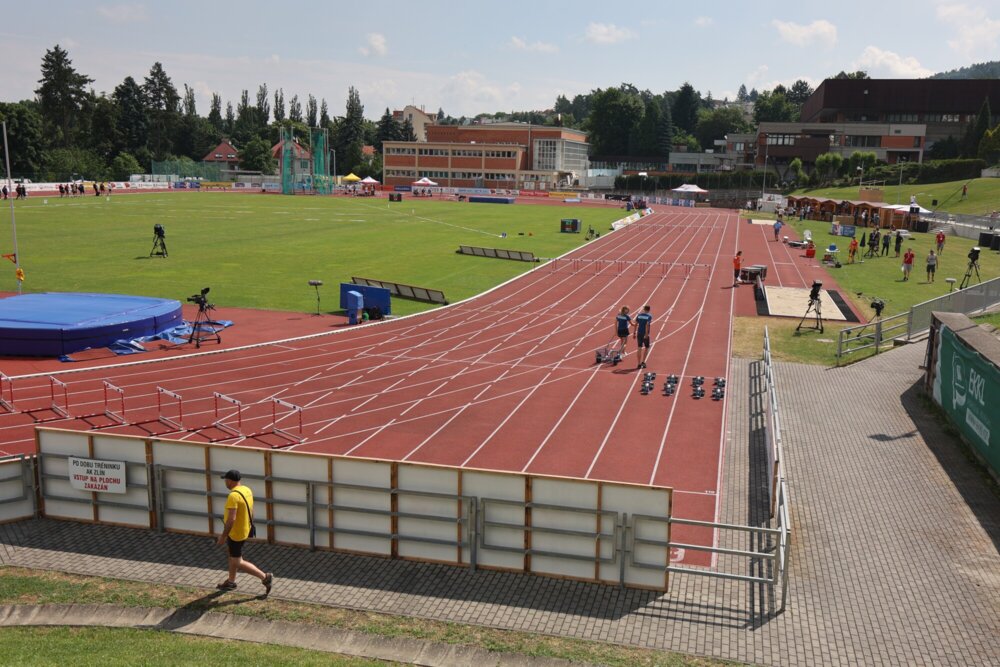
(623, 334)
(643, 341)
(931, 268)
(235, 548)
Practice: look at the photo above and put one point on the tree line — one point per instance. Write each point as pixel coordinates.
(70, 131)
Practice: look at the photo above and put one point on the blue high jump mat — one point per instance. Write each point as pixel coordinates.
(54, 324)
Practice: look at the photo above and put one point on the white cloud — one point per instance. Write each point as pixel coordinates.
(376, 45)
(887, 63)
(608, 33)
(703, 21)
(977, 33)
(519, 44)
(756, 76)
(817, 33)
(470, 89)
(124, 13)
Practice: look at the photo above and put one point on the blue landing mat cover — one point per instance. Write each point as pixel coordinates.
(53, 324)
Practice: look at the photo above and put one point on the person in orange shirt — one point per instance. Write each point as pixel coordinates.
(737, 265)
(852, 250)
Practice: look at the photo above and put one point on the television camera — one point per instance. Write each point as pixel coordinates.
(972, 268)
(159, 241)
(204, 328)
(814, 306)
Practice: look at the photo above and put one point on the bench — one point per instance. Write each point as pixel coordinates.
(497, 253)
(405, 291)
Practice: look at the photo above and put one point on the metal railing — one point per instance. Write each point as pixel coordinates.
(765, 559)
(907, 326)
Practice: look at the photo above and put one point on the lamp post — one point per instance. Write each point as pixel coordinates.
(763, 184)
(13, 220)
(899, 188)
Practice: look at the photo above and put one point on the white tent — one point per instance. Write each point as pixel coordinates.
(368, 180)
(906, 209)
(688, 187)
(425, 182)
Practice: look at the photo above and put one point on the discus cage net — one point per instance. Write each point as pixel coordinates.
(305, 170)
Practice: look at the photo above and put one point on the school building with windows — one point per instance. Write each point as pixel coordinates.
(512, 156)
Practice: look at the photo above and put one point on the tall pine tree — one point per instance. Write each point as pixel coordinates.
(62, 96)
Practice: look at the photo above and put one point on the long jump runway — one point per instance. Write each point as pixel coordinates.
(505, 381)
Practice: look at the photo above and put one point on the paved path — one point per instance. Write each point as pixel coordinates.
(895, 558)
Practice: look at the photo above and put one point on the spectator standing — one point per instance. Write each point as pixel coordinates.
(852, 250)
(886, 239)
(907, 263)
(931, 266)
(237, 530)
(940, 241)
(965, 191)
(5, 192)
(899, 241)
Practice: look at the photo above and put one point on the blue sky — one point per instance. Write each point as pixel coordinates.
(486, 57)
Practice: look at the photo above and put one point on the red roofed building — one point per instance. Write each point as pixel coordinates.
(225, 155)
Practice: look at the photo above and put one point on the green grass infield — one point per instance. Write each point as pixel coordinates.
(259, 251)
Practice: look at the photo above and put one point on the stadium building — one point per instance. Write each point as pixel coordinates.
(497, 156)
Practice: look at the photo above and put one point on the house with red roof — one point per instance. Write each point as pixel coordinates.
(225, 155)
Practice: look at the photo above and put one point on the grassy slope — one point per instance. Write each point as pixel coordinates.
(983, 196)
(260, 251)
(122, 646)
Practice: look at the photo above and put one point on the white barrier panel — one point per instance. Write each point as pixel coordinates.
(183, 490)
(646, 501)
(499, 486)
(15, 493)
(548, 525)
(133, 452)
(361, 486)
(430, 480)
(62, 501)
(308, 469)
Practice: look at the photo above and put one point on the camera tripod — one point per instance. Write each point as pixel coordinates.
(814, 307)
(159, 246)
(973, 267)
(204, 328)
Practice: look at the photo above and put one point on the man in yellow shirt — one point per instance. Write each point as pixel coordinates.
(239, 521)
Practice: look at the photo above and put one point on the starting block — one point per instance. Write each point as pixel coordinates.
(670, 386)
(699, 392)
(697, 380)
(718, 393)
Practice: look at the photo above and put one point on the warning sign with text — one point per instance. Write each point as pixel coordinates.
(96, 475)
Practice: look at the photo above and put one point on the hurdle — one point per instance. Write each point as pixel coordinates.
(218, 423)
(61, 411)
(178, 424)
(114, 390)
(292, 410)
(117, 418)
(6, 393)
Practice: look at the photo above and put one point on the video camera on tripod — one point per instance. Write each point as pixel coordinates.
(201, 299)
(159, 241)
(972, 268)
(878, 305)
(203, 328)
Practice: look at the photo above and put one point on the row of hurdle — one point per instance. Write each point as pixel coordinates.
(683, 270)
(228, 413)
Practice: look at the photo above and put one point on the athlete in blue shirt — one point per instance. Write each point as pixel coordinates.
(642, 326)
(623, 322)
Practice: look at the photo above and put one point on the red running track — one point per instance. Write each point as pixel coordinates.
(504, 381)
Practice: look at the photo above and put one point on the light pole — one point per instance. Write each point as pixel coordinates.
(13, 220)
(763, 184)
(899, 188)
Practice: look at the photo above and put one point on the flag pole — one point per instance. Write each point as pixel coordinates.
(13, 220)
